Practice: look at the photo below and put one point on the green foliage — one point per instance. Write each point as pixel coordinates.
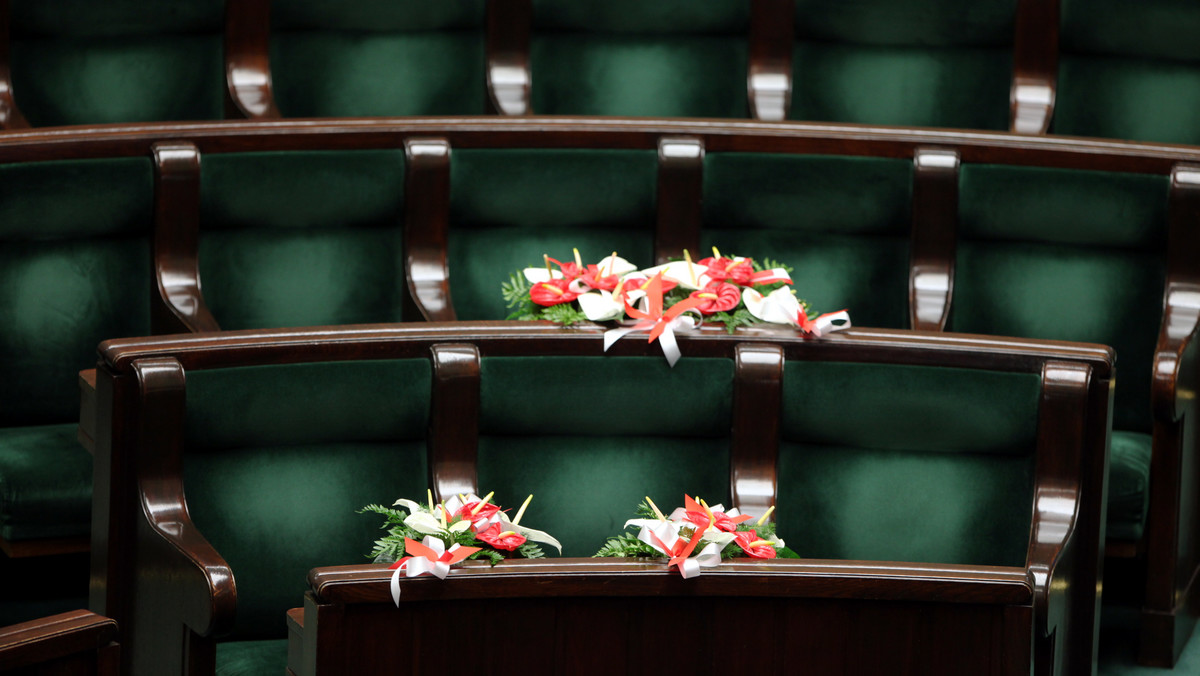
(626, 546)
(563, 313)
(732, 321)
(516, 295)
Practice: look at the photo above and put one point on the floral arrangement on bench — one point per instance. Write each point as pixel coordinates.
(696, 536)
(426, 539)
(735, 291)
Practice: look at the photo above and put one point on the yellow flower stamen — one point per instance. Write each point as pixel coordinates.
(759, 543)
(691, 271)
(653, 506)
(711, 519)
(521, 511)
(578, 260)
(734, 264)
(716, 253)
(549, 270)
(429, 495)
(442, 515)
(763, 519)
(482, 502)
(706, 295)
(506, 534)
(557, 291)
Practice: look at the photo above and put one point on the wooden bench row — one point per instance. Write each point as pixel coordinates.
(1095, 68)
(276, 437)
(984, 233)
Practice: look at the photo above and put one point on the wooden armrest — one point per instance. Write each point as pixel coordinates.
(1035, 67)
(934, 232)
(680, 187)
(10, 115)
(509, 77)
(454, 420)
(757, 398)
(1175, 365)
(248, 92)
(190, 577)
(178, 304)
(55, 637)
(426, 222)
(769, 81)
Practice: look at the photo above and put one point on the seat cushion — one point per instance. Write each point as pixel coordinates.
(252, 658)
(1128, 484)
(45, 483)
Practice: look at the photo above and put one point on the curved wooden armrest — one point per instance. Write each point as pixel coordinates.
(769, 80)
(1035, 67)
(426, 228)
(509, 76)
(247, 60)
(1174, 384)
(54, 637)
(196, 582)
(1052, 559)
(179, 304)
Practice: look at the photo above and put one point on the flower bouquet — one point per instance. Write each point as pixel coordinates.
(696, 536)
(734, 291)
(426, 539)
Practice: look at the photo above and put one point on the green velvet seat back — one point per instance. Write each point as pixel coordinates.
(509, 207)
(589, 437)
(668, 58)
(74, 270)
(302, 238)
(929, 63)
(1129, 70)
(1066, 255)
(81, 62)
(842, 223)
(279, 458)
(378, 58)
(907, 463)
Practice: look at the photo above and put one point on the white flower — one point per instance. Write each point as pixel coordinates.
(539, 275)
(685, 274)
(529, 533)
(778, 307)
(600, 306)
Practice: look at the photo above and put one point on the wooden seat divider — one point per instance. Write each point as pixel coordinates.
(76, 642)
(189, 412)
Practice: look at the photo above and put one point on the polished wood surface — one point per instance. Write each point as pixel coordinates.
(772, 37)
(77, 642)
(934, 231)
(248, 91)
(680, 188)
(606, 616)
(1035, 67)
(173, 593)
(10, 115)
(509, 75)
(179, 303)
(454, 420)
(426, 229)
(754, 451)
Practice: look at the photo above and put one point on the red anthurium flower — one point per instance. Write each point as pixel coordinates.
(553, 292)
(750, 543)
(718, 297)
(720, 520)
(506, 540)
(641, 283)
(468, 512)
(597, 279)
(570, 270)
(735, 270)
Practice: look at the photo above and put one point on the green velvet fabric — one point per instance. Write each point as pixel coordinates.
(58, 300)
(281, 457)
(303, 238)
(933, 63)
(591, 436)
(1129, 70)
(45, 483)
(378, 58)
(669, 58)
(509, 207)
(1067, 255)
(1128, 485)
(861, 476)
(842, 223)
(76, 199)
(638, 75)
(252, 658)
(75, 62)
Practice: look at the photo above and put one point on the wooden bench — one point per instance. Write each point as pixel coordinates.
(78, 642)
(278, 436)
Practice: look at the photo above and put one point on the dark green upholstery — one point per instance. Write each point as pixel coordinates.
(669, 58)
(378, 58)
(934, 63)
(1071, 255)
(279, 458)
(1128, 485)
(80, 62)
(252, 658)
(509, 207)
(74, 270)
(302, 238)
(841, 222)
(1129, 70)
(591, 436)
(861, 476)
